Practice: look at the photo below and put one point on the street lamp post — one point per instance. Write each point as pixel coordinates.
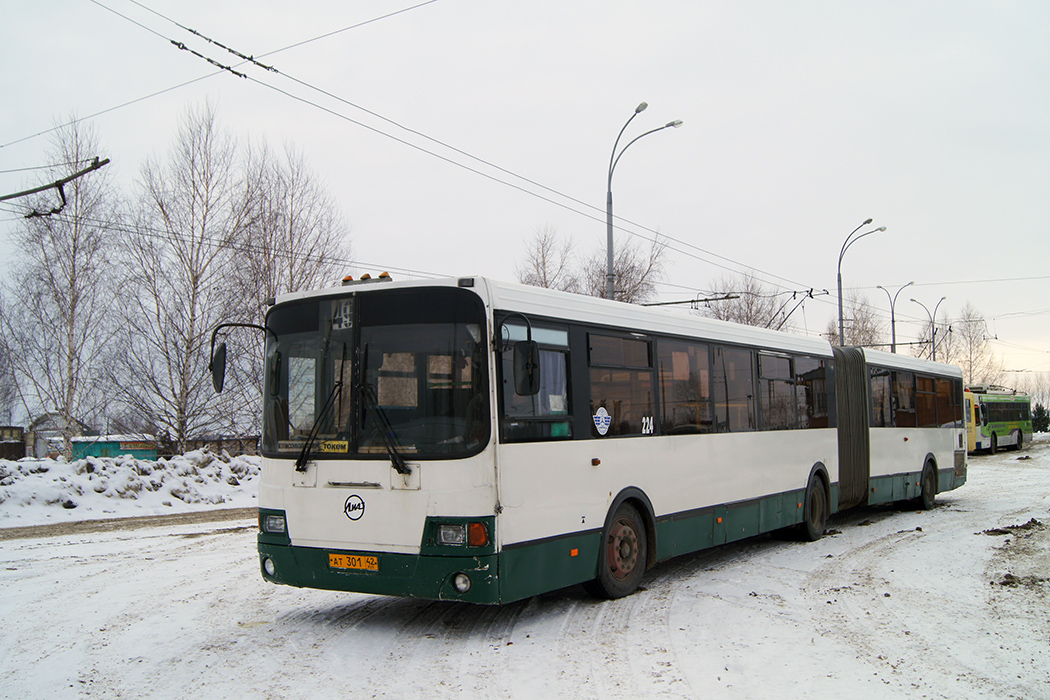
(610, 276)
(933, 325)
(893, 320)
(850, 240)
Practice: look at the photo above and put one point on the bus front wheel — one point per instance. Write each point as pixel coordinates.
(622, 558)
(995, 445)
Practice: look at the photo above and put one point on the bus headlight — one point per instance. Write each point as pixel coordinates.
(472, 534)
(273, 524)
(461, 582)
(452, 534)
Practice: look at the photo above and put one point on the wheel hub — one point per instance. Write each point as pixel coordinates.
(623, 549)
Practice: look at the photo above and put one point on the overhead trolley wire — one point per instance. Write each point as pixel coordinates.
(657, 237)
(666, 239)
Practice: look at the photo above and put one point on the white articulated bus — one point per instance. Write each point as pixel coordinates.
(472, 440)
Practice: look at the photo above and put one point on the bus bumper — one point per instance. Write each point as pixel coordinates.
(407, 575)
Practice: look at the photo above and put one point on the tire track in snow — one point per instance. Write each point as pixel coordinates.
(857, 599)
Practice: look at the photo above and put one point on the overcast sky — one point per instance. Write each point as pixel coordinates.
(801, 120)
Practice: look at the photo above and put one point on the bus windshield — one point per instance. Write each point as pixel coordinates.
(363, 372)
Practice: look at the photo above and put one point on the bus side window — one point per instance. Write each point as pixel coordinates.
(925, 402)
(946, 411)
(811, 393)
(621, 383)
(904, 400)
(776, 393)
(546, 415)
(733, 384)
(685, 388)
(881, 398)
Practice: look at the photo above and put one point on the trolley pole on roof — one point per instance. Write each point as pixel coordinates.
(893, 320)
(610, 276)
(850, 240)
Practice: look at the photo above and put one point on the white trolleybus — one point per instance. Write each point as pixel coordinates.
(471, 440)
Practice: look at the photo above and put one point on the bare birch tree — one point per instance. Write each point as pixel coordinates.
(1036, 385)
(8, 388)
(636, 271)
(861, 322)
(297, 238)
(549, 262)
(552, 263)
(193, 210)
(974, 353)
(60, 291)
(751, 303)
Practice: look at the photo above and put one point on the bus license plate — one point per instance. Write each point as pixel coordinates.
(353, 561)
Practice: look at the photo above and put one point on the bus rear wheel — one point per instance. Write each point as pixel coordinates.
(928, 486)
(815, 513)
(622, 558)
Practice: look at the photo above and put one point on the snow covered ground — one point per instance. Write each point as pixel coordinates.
(948, 603)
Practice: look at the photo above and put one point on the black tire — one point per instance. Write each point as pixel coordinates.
(928, 486)
(622, 557)
(815, 513)
(1019, 445)
(995, 445)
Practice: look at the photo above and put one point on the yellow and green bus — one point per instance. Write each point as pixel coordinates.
(997, 417)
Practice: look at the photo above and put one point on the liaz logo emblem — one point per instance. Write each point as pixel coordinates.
(602, 420)
(354, 507)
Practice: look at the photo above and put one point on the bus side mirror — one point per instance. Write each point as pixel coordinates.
(526, 368)
(218, 368)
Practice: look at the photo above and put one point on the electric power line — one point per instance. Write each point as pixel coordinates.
(739, 265)
(249, 59)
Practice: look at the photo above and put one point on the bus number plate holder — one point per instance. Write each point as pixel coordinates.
(353, 562)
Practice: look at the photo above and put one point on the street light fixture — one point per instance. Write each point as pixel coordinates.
(933, 325)
(610, 276)
(850, 240)
(893, 320)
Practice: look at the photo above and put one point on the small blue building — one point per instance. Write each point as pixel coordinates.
(140, 446)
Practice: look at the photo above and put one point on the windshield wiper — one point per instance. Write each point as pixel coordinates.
(369, 392)
(304, 455)
(386, 429)
(337, 390)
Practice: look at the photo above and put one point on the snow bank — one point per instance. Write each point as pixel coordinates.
(36, 491)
